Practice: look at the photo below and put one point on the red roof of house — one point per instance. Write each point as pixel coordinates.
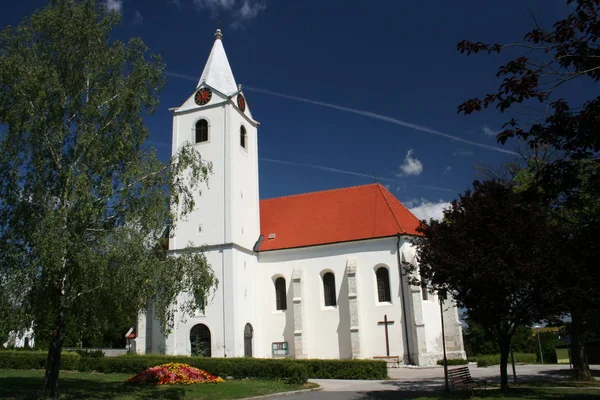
(331, 216)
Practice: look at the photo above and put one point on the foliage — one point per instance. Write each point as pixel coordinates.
(550, 61)
(297, 374)
(235, 367)
(478, 340)
(90, 353)
(453, 361)
(172, 374)
(486, 360)
(85, 205)
(36, 360)
(485, 254)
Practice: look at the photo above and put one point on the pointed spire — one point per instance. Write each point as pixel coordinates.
(217, 72)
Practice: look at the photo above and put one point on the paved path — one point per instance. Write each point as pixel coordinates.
(409, 383)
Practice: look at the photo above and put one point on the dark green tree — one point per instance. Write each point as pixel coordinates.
(84, 203)
(550, 60)
(491, 252)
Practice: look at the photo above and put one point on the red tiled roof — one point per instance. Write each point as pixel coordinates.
(331, 216)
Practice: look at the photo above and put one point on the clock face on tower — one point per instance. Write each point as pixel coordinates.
(202, 96)
(241, 102)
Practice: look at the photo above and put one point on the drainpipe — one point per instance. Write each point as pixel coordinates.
(404, 314)
(225, 182)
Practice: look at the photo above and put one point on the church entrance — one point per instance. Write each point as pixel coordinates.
(200, 341)
(248, 334)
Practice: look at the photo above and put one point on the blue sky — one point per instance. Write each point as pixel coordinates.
(344, 90)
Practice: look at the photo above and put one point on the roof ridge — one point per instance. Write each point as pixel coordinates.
(319, 191)
(390, 207)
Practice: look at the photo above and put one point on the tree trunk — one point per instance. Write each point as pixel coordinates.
(54, 354)
(504, 352)
(581, 368)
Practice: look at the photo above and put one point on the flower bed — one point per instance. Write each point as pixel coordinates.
(174, 373)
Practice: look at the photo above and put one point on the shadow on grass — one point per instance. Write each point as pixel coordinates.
(569, 372)
(532, 394)
(30, 388)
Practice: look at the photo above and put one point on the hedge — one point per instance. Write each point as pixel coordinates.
(224, 367)
(454, 361)
(485, 360)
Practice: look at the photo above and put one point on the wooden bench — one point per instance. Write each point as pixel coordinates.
(461, 377)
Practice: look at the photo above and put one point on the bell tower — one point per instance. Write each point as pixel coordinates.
(217, 121)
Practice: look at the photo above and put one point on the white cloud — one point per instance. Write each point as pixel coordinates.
(461, 152)
(113, 5)
(425, 209)
(138, 18)
(448, 170)
(176, 3)
(410, 166)
(489, 131)
(238, 11)
(215, 4)
(250, 9)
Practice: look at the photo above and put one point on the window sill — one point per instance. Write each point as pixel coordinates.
(329, 308)
(383, 303)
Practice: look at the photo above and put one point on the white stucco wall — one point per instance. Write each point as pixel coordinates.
(327, 329)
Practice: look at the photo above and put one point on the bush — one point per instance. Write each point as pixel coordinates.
(223, 367)
(485, 360)
(297, 374)
(35, 360)
(454, 361)
(90, 353)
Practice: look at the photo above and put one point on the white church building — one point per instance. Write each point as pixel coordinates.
(314, 275)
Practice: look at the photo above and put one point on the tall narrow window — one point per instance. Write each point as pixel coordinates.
(202, 131)
(383, 284)
(280, 298)
(329, 289)
(424, 291)
(243, 137)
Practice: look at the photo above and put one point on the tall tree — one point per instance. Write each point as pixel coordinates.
(550, 61)
(84, 203)
(491, 252)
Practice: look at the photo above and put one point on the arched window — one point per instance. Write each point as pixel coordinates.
(202, 131)
(383, 284)
(329, 289)
(248, 334)
(243, 136)
(280, 297)
(200, 341)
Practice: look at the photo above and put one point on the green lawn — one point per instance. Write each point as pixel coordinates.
(20, 384)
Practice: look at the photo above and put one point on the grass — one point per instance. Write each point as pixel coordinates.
(20, 384)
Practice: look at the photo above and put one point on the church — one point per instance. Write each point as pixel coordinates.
(314, 275)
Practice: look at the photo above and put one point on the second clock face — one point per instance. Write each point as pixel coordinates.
(241, 102)
(203, 96)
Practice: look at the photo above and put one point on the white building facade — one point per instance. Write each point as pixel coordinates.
(307, 276)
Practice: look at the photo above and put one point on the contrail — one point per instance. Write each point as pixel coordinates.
(369, 114)
(380, 117)
(342, 171)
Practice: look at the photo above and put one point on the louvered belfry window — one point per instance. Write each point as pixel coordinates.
(383, 284)
(280, 297)
(329, 289)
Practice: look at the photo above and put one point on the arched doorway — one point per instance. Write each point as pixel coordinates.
(200, 342)
(248, 334)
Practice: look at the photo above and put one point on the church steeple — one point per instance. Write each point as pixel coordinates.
(217, 72)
